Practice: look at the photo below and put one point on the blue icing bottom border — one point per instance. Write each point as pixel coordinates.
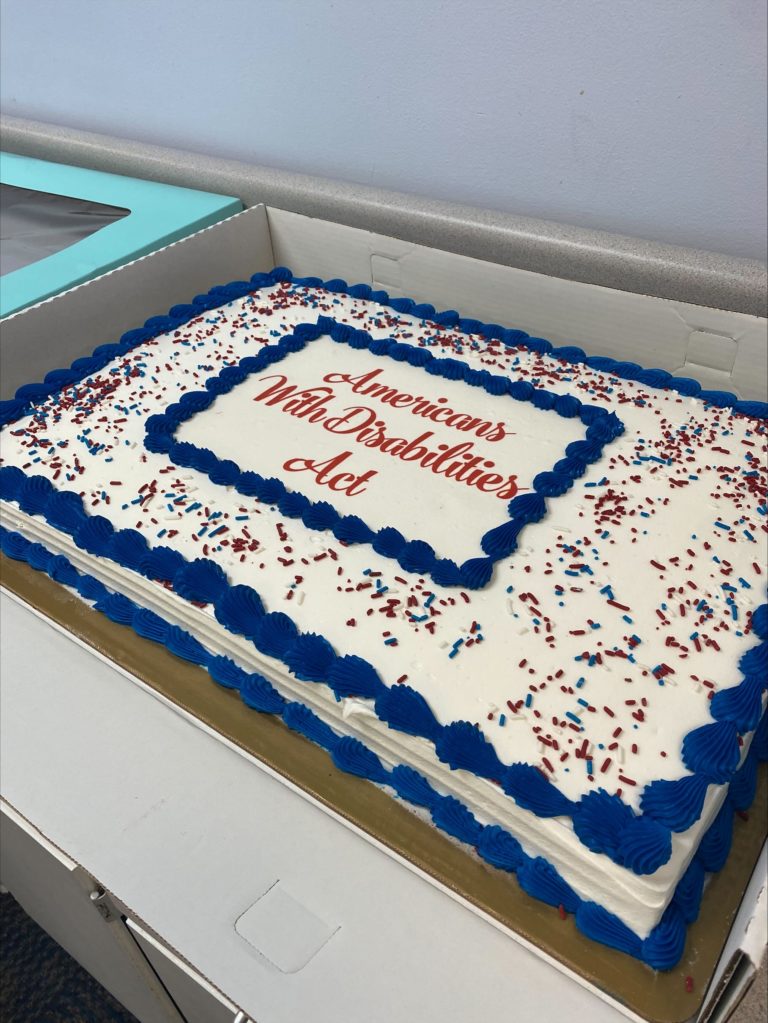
(663, 947)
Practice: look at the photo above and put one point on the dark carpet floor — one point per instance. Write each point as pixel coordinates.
(41, 983)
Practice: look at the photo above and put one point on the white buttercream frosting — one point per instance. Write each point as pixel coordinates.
(595, 647)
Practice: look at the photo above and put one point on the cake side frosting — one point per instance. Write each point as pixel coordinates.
(499, 622)
(638, 898)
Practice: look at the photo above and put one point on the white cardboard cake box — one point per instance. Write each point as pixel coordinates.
(724, 350)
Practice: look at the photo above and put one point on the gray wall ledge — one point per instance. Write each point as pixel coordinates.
(542, 246)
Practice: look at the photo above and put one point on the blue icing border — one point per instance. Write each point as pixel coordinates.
(412, 555)
(604, 823)
(29, 394)
(673, 804)
(663, 947)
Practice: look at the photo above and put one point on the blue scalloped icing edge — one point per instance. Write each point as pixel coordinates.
(412, 555)
(671, 805)
(663, 947)
(604, 823)
(661, 379)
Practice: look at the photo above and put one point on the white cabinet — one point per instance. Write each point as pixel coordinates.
(56, 893)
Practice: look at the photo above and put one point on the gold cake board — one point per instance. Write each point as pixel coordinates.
(658, 997)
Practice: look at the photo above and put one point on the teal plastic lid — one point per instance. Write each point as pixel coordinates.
(159, 214)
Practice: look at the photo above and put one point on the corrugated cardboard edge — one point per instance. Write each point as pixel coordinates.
(658, 997)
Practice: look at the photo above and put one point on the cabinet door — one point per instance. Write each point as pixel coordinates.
(56, 893)
(197, 999)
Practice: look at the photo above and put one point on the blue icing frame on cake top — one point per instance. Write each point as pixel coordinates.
(640, 842)
(664, 945)
(412, 555)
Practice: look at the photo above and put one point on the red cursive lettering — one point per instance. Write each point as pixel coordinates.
(343, 482)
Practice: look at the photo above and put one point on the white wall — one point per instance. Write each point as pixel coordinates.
(646, 117)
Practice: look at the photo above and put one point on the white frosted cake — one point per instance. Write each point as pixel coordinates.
(519, 587)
